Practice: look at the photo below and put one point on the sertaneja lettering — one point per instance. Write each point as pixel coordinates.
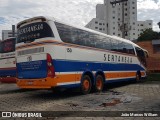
(30, 29)
(116, 58)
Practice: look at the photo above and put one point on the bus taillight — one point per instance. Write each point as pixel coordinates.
(50, 68)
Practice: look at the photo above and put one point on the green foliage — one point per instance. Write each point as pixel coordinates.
(153, 77)
(148, 34)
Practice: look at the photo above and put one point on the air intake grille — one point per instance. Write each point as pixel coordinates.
(31, 51)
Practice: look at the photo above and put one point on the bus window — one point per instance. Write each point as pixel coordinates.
(114, 44)
(8, 46)
(121, 47)
(30, 32)
(129, 49)
(82, 37)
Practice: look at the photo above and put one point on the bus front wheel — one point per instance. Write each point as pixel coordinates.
(86, 84)
(138, 77)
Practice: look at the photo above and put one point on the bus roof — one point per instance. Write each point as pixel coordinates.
(46, 18)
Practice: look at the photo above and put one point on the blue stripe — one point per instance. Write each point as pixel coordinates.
(4, 73)
(71, 66)
(35, 70)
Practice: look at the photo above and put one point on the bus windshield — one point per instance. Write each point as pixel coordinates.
(141, 56)
(7, 45)
(30, 32)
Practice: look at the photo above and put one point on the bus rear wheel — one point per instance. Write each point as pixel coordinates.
(86, 84)
(99, 83)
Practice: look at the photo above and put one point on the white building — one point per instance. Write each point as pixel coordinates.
(109, 19)
(6, 34)
(142, 25)
(9, 33)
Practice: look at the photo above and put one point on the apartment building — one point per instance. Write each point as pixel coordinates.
(112, 19)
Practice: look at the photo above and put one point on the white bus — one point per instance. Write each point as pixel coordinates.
(7, 60)
(53, 54)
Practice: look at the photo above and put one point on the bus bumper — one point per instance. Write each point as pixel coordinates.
(44, 83)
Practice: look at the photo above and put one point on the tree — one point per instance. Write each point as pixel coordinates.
(148, 34)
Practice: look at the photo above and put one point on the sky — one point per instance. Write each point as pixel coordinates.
(78, 12)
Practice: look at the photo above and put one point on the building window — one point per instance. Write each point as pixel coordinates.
(133, 33)
(125, 4)
(113, 17)
(113, 28)
(103, 29)
(133, 23)
(103, 23)
(96, 22)
(132, 2)
(150, 24)
(113, 12)
(100, 28)
(100, 23)
(133, 12)
(118, 18)
(133, 7)
(125, 14)
(96, 27)
(141, 24)
(113, 33)
(126, 9)
(119, 35)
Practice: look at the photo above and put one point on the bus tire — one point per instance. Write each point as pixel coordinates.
(86, 84)
(138, 77)
(99, 83)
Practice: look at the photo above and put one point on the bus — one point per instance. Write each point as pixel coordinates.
(52, 54)
(7, 61)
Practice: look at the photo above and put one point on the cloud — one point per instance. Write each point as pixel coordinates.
(78, 12)
(148, 4)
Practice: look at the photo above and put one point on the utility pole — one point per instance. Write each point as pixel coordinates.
(13, 33)
(158, 24)
(123, 26)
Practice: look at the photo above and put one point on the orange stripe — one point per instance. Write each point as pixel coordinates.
(120, 75)
(52, 82)
(49, 82)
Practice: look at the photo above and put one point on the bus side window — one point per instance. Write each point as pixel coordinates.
(114, 45)
(64, 32)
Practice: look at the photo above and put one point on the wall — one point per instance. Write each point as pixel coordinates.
(153, 61)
